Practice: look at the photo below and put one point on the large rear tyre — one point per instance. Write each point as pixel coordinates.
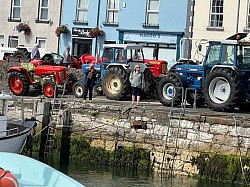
(115, 83)
(150, 84)
(21, 54)
(78, 88)
(18, 83)
(223, 90)
(170, 90)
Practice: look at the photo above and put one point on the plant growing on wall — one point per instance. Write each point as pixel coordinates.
(96, 32)
(23, 27)
(63, 29)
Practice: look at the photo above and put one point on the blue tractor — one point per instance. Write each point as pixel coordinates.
(221, 80)
(113, 71)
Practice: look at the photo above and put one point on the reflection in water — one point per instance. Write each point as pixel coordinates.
(101, 176)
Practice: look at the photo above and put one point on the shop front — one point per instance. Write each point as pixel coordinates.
(157, 45)
(81, 41)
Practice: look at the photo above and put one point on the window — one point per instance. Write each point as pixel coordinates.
(152, 13)
(13, 41)
(248, 16)
(82, 11)
(214, 54)
(112, 11)
(41, 42)
(43, 10)
(1, 40)
(216, 15)
(16, 9)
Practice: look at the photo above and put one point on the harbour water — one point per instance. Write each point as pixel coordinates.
(103, 176)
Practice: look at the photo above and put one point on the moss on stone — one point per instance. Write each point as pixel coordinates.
(223, 167)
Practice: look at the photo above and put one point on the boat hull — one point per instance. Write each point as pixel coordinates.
(30, 172)
(14, 142)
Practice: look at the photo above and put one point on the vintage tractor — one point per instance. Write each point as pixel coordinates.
(45, 78)
(118, 60)
(222, 80)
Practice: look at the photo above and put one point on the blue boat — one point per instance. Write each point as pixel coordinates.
(32, 173)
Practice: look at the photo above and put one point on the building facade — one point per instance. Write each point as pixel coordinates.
(220, 19)
(156, 24)
(29, 22)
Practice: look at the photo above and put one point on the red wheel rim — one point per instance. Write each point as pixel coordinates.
(16, 84)
(48, 90)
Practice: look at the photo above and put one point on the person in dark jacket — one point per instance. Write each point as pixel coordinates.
(89, 82)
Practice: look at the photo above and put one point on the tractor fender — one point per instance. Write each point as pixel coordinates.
(124, 66)
(223, 66)
(22, 70)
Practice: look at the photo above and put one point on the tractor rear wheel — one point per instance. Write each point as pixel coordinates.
(150, 84)
(170, 90)
(18, 83)
(78, 88)
(115, 83)
(49, 89)
(22, 54)
(223, 90)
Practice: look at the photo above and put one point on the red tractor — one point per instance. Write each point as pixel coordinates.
(47, 78)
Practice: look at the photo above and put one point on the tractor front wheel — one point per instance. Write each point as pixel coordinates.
(78, 88)
(49, 89)
(18, 83)
(170, 90)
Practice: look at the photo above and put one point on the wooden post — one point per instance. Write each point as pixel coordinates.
(45, 122)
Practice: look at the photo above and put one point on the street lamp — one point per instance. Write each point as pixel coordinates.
(97, 25)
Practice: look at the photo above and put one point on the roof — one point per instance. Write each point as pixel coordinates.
(123, 46)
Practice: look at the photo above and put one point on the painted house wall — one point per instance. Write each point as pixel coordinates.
(29, 13)
(172, 20)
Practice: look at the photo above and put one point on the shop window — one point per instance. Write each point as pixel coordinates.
(112, 12)
(82, 11)
(13, 41)
(15, 14)
(152, 13)
(216, 15)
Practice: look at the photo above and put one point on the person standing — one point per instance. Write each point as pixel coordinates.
(35, 54)
(137, 83)
(66, 57)
(89, 82)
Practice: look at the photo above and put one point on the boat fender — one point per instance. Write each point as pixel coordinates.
(7, 179)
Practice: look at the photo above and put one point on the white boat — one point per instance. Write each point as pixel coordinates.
(30, 172)
(13, 134)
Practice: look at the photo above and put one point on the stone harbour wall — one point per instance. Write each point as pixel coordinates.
(173, 140)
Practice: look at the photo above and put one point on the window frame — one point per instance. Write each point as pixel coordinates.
(247, 28)
(40, 11)
(38, 39)
(12, 18)
(218, 21)
(11, 38)
(85, 10)
(112, 11)
(152, 12)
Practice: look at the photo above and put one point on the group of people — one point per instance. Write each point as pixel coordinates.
(136, 77)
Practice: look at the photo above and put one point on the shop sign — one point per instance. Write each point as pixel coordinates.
(81, 32)
(150, 37)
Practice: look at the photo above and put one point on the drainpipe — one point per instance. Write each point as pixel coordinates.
(60, 17)
(97, 24)
(238, 16)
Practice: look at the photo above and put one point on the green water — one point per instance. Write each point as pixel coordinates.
(102, 176)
